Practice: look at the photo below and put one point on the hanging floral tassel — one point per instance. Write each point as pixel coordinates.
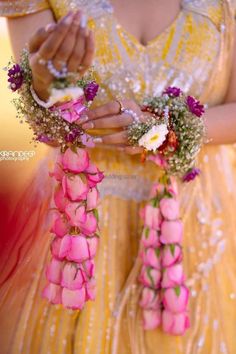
(71, 270)
(164, 295)
(150, 276)
(174, 292)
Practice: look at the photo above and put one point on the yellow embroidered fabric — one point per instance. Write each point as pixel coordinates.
(15, 8)
(194, 53)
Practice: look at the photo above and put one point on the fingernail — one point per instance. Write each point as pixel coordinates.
(50, 27)
(83, 21)
(77, 18)
(68, 19)
(88, 125)
(83, 119)
(97, 140)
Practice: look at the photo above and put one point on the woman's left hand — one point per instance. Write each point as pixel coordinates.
(110, 116)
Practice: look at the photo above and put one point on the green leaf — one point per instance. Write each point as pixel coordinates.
(95, 212)
(150, 276)
(172, 249)
(155, 202)
(177, 290)
(147, 232)
(158, 252)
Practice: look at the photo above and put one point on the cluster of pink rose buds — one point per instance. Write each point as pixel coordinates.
(164, 296)
(71, 271)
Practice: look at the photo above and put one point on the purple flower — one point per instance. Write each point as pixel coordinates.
(90, 90)
(15, 77)
(43, 138)
(72, 135)
(194, 106)
(191, 174)
(172, 91)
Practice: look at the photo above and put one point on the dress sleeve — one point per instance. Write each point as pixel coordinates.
(15, 8)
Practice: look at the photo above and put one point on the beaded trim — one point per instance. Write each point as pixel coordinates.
(21, 8)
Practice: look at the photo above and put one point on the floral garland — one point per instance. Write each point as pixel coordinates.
(70, 273)
(171, 138)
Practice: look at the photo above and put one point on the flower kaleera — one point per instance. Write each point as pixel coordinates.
(164, 297)
(70, 274)
(71, 270)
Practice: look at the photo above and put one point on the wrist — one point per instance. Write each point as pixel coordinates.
(40, 90)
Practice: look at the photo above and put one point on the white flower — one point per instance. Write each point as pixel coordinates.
(64, 95)
(154, 138)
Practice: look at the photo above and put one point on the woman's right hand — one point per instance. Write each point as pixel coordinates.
(68, 41)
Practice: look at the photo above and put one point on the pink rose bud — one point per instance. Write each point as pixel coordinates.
(92, 198)
(150, 238)
(60, 227)
(152, 217)
(173, 276)
(158, 160)
(175, 323)
(171, 232)
(150, 299)
(89, 227)
(173, 187)
(75, 213)
(92, 245)
(152, 257)
(151, 319)
(75, 188)
(94, 176)
(150, 277)
(59, 199)
(156, 189)
(60, 247)
(89, 268)
(90, 289)
(58, 171)
(79, 250)
(169, 208)
(73, 299)
(72, 276)
(171, 254)
(54, 271)
(53, 293)
(75, 161)
(176, 299)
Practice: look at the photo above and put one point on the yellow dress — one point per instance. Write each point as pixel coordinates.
(194, 53)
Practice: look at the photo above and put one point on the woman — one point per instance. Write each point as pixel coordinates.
(141, 47)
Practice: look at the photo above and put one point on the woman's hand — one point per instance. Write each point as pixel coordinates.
(68, 42)
(110, 116)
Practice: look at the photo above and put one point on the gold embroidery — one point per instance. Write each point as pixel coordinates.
(21, 8)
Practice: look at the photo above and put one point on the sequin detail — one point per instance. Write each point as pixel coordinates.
(20, 8)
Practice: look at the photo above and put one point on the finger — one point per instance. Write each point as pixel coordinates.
(89, 53)
(79, 48)
(108, 109)
(133, 150)
(111, 108)
(118, 121)
(66, 48)
(40, 36)
(49, 48)
(112, 139)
